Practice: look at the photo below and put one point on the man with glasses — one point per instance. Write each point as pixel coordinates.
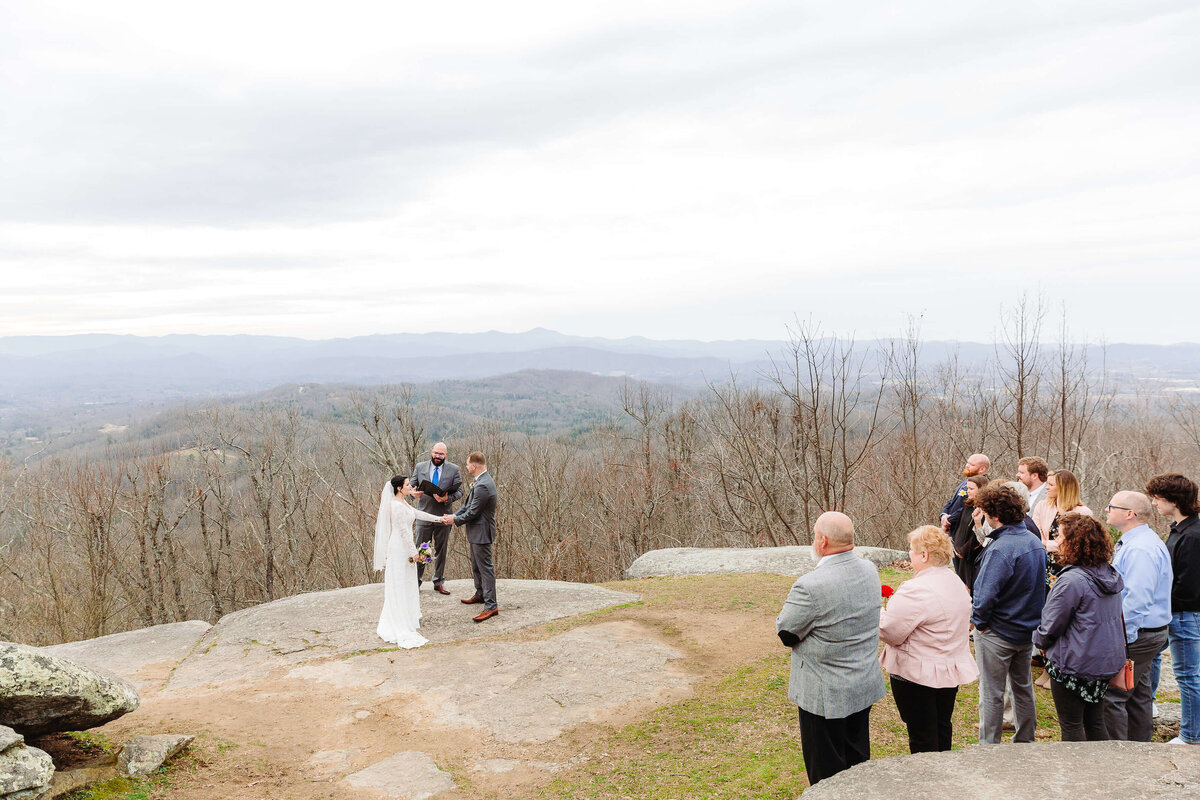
(1145, 566)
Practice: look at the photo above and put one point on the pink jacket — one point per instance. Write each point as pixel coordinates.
(1043, 515)
(924, 629)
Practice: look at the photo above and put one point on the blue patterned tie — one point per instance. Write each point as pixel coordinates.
(435, 476)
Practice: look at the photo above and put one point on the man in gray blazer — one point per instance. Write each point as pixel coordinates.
(831, 621)
(478, 514)
(440, 472)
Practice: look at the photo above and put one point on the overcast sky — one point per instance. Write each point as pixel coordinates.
(705, 170)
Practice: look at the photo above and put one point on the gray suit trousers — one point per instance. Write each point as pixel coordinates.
(440, 536)
(484, 573)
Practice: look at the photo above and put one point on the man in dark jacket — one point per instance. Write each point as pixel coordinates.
(1175, 497)
(977, 464)
(1007, 608)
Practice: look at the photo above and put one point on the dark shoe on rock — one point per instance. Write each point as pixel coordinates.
(437, 587)
(487, 613)
(473, 599)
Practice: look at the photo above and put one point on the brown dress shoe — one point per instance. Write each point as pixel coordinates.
(473, 599)
(487, 613)
(437, 587)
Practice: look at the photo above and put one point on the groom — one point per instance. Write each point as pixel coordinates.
(478, 514)
(444, 474)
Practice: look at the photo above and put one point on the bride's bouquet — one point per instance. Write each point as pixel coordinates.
(424, 554)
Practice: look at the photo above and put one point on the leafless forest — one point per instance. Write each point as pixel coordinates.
(254, 504)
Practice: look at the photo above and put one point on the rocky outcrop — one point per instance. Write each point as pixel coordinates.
(1041, 771)
(248, 644)
(25, 772)
(41, 693)
(715, 560)
(141, 755)
(145, 656)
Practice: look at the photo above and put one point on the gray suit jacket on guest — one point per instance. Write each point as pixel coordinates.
(478, 512)
(834, 612)
(449, 478)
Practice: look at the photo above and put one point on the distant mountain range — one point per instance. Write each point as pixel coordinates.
(104, 368)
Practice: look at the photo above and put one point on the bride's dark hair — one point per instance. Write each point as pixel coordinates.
(398, 483)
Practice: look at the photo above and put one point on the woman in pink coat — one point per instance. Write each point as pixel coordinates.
(924, 628)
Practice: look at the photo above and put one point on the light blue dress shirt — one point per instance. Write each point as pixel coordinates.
(1145, 566)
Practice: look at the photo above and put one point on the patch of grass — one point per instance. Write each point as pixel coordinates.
(114, 789)
(92, 741)
(737, 737)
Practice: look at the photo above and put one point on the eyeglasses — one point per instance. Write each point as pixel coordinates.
(1110, 507)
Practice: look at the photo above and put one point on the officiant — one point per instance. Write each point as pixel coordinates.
(445, 476)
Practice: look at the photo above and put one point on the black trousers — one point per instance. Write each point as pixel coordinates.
(440, 536)
(1078, 721)
(832, 745)
(927, 713)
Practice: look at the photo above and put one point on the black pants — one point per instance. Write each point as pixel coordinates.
(1078, 721)
(832, 745)
(440, 536)
(927, 713)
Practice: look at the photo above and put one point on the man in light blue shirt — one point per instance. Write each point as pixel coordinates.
(1145, 566)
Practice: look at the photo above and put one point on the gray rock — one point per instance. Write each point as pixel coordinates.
(1169, 714)
(141, 755)
(1041, 771)
(533, 690)
(250, 643)
(9, 737)
(410, 775)
(25, 772)
(794, 561)
(41, 693)
(135, 655)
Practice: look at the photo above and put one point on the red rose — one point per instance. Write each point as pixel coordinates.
(886, 590)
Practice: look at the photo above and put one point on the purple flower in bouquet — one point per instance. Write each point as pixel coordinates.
(424, 554)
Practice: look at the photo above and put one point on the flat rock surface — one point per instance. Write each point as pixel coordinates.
(144, 656)
(1042, 771)
(517, 691)
(411, 775)
(249, 643)
(713, 560)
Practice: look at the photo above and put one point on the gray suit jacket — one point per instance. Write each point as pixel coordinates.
(834, 612)
(449, 478)
(478, 511)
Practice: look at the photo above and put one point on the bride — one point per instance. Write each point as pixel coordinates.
(393, 548)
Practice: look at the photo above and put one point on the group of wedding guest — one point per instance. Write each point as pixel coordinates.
(1053, 580)
(1103, 605)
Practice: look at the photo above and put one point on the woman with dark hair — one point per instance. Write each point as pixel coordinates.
(395, 554)
(967, 547)
(1175, 497)
(1082, 633)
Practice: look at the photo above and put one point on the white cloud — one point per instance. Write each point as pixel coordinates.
(703, 170)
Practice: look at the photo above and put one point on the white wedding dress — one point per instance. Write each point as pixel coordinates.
(393, 546)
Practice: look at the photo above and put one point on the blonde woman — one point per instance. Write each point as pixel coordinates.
(1062, 497)
(924, 629)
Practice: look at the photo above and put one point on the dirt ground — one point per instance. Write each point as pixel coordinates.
(258, 740)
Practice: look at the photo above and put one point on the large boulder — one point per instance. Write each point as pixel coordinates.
(41, 693)
(793, 561)
(25, 772)
(1040, 771)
